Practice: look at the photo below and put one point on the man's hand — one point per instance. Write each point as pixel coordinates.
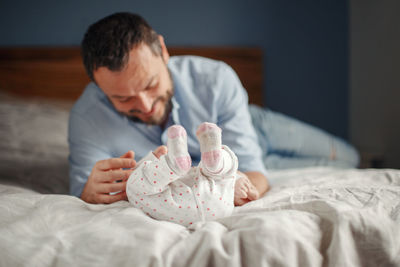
(249, 186)
(102, 179)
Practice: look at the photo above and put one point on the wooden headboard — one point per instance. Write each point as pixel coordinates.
(58, 72)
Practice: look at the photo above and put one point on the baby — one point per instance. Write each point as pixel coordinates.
(167, 188)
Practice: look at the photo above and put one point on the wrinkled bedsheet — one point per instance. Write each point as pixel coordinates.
(310, 217)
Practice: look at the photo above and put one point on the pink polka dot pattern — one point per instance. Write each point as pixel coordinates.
(154, 188)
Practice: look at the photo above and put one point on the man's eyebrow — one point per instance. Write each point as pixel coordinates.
(147, 86)
(150, 81)
(119, 96)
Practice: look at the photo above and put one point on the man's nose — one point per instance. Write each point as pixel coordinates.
(144, 103)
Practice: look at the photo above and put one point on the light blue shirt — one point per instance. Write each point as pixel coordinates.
(205, 90)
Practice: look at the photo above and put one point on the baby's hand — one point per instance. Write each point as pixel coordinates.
(245, 191)
(161, 150)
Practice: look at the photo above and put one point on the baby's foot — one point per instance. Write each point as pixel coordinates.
(209, 136)
(178, 156)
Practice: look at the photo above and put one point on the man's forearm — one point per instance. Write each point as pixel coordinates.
(259, 181)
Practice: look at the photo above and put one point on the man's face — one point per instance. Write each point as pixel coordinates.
(142, 89)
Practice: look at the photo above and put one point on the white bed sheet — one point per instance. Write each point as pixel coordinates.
(311, 217)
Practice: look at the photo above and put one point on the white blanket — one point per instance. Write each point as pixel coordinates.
(311, 217)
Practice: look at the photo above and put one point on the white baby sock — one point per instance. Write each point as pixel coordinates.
(209, 136)
(178, 157)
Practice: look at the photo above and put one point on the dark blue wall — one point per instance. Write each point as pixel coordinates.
(305, 42)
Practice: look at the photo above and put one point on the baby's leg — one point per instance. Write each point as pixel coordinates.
(172, 201)
(214, 185)
(151, 188)
(216, 160)
(153, 175)
(215, 195)
(178, 157)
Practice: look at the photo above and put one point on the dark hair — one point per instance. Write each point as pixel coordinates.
(107, 43)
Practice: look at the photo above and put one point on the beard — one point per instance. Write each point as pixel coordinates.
(166, 101)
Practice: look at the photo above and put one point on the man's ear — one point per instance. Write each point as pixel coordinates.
(164, 51)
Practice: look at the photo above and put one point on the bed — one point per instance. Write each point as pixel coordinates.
(310, 217)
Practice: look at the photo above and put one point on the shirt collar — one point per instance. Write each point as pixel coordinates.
(173, 119)
(175, 110)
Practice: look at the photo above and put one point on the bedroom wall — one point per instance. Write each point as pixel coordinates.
(305, 42)
(375, 79)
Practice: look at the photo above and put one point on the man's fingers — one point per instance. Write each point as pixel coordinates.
(112, 187)
(108, 199)
(129, 155)
(115, 163)
(114, 175)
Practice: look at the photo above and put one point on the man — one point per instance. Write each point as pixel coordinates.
(136, 94)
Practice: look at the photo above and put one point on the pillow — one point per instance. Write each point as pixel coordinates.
(33, 144)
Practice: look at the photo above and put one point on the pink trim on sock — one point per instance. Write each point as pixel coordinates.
(206, 126)
(176, 131)
(184, 163)
(211, 159)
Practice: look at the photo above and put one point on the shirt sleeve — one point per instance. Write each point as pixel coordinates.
(83, 138)
(235, 121)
